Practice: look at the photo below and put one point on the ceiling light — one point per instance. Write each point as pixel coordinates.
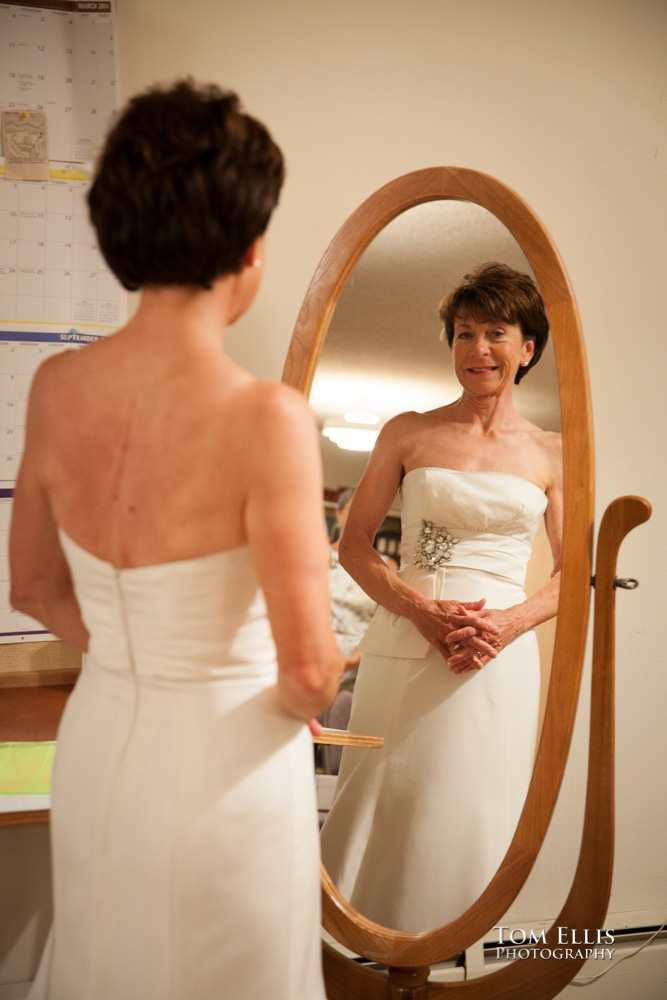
(350, 436)
(362, 417)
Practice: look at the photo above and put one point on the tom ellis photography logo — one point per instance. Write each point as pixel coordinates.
(571, 943)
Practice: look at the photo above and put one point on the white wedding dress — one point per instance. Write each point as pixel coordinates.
(184, 822)
(418, 829)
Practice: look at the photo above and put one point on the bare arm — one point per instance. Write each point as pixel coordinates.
(41, 585)
(287, 536)
(372, 499)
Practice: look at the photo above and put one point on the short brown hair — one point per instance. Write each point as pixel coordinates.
(185, 183)
(497, 292)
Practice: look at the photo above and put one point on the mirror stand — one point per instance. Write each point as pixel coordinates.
(407, 957)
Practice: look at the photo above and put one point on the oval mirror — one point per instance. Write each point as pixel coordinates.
(383, 355)
(448, 220)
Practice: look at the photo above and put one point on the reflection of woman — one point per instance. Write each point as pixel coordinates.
(450, 672)
(151, 530)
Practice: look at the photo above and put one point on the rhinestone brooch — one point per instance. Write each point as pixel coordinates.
(434, 546)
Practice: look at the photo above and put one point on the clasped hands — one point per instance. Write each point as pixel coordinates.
(465, 633)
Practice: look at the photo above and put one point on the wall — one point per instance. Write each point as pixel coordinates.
(564, 102)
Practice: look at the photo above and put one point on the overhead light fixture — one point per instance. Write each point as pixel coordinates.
(353, 432)
(362, 417)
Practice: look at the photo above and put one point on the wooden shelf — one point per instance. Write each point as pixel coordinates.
(343, 738)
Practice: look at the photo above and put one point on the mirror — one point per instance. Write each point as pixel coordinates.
(337, 266)
(383, 354)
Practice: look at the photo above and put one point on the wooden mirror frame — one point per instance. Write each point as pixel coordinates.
(355, 931)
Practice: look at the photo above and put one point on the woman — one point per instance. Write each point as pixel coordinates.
(152, 529)
(450, 672)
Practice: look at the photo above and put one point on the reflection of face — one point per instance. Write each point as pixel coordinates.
(487, 354)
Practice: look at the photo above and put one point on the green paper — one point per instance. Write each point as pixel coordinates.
(25, 768)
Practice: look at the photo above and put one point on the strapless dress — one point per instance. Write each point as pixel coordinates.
(418, 829)
(184, 821)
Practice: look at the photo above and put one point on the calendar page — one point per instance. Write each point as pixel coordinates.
(60, 58)
(57, 71)
(51, 269)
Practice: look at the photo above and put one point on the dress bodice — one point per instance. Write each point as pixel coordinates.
(183, 812)
(465, 536)
(187, 620)
(491, 519)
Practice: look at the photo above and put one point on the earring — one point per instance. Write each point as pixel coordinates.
(256, 263)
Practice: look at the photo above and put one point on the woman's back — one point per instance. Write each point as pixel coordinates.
(154, 528)
(150, 442)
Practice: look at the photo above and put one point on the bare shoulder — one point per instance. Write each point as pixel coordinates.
(74, 366)
(274, 406)
(418, 419)
(274, 426)
(51, 378)
(402, 439)
(403, 425)
(55, 366)
(387, 460)
(406, 419)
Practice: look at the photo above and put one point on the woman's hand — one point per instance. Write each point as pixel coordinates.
(315, 727)
(447, 622)
(468, 650)
(351, 662)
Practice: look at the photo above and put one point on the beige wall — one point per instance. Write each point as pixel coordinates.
(565, 102)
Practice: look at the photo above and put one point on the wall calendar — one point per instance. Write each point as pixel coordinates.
(58, 97)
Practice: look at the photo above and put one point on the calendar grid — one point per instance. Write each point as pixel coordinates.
(57, 57)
